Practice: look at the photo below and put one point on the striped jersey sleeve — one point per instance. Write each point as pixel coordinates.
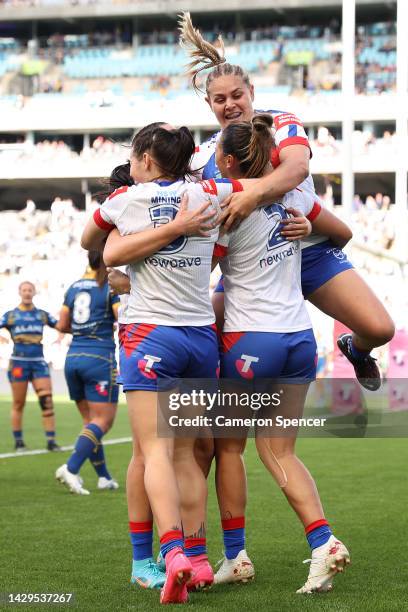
(107, 214)
(288, 130)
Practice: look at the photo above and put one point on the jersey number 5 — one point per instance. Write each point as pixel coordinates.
(164, 213)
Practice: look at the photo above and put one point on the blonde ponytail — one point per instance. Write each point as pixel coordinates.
(205, 56)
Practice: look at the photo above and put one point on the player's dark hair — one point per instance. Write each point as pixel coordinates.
(96, 264)
(119, 177)
(171, 150)
(250, 142)
(205, 55)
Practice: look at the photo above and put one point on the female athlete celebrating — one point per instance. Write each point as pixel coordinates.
(169, 317)
(268, 334)
(26, 323)
(89, 313)
(328, 278)
(169, 271)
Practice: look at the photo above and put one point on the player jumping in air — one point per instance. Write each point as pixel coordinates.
(26, 323)
(329, 280)
(89, 313)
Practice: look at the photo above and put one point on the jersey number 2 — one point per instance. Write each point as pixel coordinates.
(275, 214)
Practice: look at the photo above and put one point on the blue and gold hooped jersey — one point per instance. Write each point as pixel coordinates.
(91, 312)
(26, 327)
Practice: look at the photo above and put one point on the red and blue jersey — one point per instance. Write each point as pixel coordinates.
(26, 326)
(287, 130)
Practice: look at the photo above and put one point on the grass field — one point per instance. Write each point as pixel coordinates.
(55, 542)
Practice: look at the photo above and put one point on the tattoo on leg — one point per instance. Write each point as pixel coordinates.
(200, 533)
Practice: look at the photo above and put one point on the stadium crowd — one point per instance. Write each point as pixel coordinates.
(304, 58)
(325, 145)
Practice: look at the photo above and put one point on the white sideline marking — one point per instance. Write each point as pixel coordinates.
(43, 451)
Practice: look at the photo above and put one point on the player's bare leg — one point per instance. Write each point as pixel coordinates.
(162, 491)
(348, 299)
(329, 555)
(204, 452)
(103, 415)
(19, 393)
(43, 389)
(231, 485)
(192, 485)
(83, 409)
(145, 572)
(230, 477)
(217, 300)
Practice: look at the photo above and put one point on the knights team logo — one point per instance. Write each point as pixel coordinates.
(102, 387)
(146, 365)
(243, 365)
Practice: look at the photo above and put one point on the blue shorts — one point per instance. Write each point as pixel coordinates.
(250, 355)
(91, 375)
(320, 263)
(152, 354)
(20, 371)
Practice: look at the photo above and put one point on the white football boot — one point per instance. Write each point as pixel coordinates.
(240, 569)
(72, 481)
(327, 560)
(106, 484)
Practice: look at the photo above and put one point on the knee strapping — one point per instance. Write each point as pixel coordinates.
(271, 462)
(45, 402)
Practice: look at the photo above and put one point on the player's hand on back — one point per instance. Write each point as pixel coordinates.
(197, 222)
(236, 208)
(297, 226)
(119, 282)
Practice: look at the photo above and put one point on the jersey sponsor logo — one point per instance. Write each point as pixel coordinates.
(101, 387)
(278, 257)
(163, 213)
(146, 365)
(243, 365)
(162, 262)
(28, 329)
(118, 191)
(176, 199)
